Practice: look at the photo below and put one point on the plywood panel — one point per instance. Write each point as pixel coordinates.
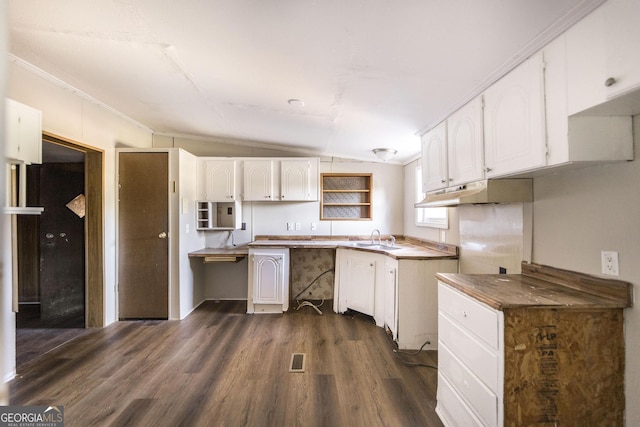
(566, 367)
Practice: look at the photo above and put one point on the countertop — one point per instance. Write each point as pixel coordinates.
(405, 248)
(229, 254)
(542, 286)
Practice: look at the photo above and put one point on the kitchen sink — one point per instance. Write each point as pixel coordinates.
(377, 246)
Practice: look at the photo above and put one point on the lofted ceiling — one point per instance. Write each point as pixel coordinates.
(322, 77)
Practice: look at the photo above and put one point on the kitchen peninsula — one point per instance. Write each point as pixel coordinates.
(545, 347)
(395, 285)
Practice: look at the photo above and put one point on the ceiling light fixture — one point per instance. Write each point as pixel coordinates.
(295, 102)
(385, 153)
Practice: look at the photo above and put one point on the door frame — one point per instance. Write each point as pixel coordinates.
(94, 227)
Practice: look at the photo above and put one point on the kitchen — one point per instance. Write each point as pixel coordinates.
(574, 216)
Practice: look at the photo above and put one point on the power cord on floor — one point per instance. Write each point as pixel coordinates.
(307, 303)
(397, 353)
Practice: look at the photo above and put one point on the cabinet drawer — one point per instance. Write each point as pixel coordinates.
(476, 356)
(470, 314)
(451, 409)
(482, 400)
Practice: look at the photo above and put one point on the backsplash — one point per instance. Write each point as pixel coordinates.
(494, 236)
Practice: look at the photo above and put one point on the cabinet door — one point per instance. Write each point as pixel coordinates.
(258, 180)
(586, 60)
(622, 41)
(268, 278)
(361, 278)
(295, 180)
(434, 159)
(514, 121)
(391, 297)
(465, 144)
(220, 180)
(23, 133)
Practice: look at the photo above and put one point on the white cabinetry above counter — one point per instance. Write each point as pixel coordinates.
(265, 179)
(286, 180)
(569, 105)
(453, 150)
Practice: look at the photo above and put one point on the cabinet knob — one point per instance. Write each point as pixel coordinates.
(464, 314)
(488, 169)
(443, 181)
(610, 82)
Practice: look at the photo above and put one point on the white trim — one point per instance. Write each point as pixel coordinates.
(66, 86)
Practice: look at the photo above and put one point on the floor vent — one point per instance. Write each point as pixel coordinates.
(297, 362)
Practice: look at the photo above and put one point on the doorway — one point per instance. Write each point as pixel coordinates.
(51, 246)
(46, 254)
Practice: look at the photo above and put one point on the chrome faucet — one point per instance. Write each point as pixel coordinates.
(392, 241)
(379, 236)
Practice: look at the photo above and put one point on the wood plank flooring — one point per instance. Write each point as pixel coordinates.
(221, 367)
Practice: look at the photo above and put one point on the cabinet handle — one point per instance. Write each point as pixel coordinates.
(488, 169)
(610, 82)
(443, 181)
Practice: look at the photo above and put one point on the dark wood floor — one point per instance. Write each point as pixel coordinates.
(222, 367)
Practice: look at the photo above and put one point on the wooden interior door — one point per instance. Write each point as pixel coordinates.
(143, 248)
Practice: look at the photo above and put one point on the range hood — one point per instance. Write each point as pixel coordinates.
(487, 191)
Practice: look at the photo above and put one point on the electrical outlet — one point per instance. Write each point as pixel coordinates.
(289, 226)
(297, 226)
(314, 226)
(610, 263)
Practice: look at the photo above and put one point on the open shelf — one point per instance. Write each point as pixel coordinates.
(345, 196)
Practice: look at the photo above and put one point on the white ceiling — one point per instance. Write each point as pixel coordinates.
(371, 73)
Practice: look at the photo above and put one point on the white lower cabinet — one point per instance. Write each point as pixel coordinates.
(361, 282)
(361, 276)
(470, 361)
(268, 280)
(391, 296)
(400, 294)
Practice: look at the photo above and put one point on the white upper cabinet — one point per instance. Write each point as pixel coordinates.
(292, 179)
(452, 152)
(622, 43)
(219, 180)
(299, 179)
(258, 180)
(602, 55)
(574, 139)
(465, 144)
(434, 159)
(514, 121)
(23, 133)
(585, 58)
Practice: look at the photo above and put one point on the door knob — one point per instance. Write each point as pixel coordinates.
(162, 235)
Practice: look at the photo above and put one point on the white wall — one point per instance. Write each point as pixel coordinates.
(580, 213)
(191, 275)
(68, 115)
